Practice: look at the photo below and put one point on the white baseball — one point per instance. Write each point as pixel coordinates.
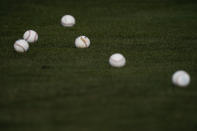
(30, 36)
(21, 46)
(68, 21)
(117, 60)
(82, 42)
(181, 78)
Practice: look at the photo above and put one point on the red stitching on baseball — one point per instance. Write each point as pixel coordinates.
(20, 46)
(176, 79)
(116, 61)
(84, 41)
(29, 34)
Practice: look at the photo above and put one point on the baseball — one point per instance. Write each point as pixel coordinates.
(21, 46)
(30, 36)
(68, 21)
(117, 60)
(181, 78)
(82, 42)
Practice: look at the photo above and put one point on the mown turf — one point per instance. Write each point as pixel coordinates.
(55, 86)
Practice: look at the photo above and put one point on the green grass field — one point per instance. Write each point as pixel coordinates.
(57, 87)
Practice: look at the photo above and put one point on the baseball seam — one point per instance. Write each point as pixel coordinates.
(28, 35)
(176, 79)
(20, 46)
(116, 61)
(84, 41)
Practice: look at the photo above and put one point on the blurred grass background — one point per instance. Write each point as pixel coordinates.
(55, 86)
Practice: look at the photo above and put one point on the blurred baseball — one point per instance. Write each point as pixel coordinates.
(21, 46)
(82, 42)
(30, 36)
(117, 60)
(68, 21)
(181, 78)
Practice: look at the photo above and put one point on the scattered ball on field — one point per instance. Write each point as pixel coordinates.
(21, 46)
(117, 60)
(68, 21)
(30, 36)
(181, 78)
(82, 42)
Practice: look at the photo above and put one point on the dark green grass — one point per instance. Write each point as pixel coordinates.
(55, 86)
